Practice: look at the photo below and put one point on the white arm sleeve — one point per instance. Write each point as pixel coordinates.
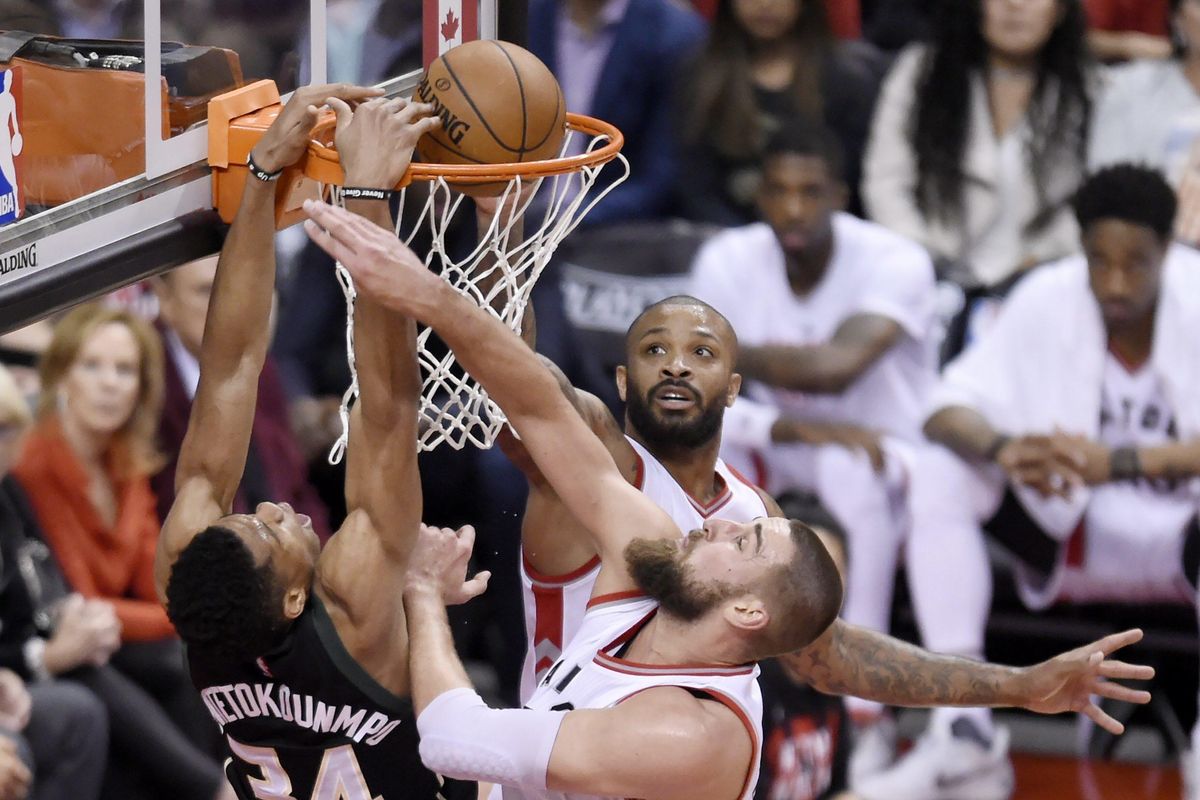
(462, 737)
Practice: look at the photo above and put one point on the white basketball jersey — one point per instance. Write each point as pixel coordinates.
(592, 674)
(555, 605)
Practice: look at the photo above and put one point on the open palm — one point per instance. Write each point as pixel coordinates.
(1071, 681)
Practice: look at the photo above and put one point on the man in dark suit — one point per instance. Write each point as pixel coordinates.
(275, 468)
(619, 60)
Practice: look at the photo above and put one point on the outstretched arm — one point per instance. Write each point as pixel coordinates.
(855, 661)
(213, 455)
(850, 660)
(569, 455)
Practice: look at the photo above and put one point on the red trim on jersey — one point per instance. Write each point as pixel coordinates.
(718, 502)
(558, 580)
(600, 599)
(732, 705)
(1077, 546)
(547, 626)
(627, 667)
(639, 472)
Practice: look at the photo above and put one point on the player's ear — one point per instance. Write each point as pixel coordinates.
(294, 601)
(735, 386)
(620, 376)
(747, 613)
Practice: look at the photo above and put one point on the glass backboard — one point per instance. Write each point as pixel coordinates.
(103, 141)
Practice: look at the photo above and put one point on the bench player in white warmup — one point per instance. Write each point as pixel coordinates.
(665, 666)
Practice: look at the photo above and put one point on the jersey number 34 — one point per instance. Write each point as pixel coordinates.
(339, 778)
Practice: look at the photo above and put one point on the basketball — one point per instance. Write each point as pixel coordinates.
(498, 104)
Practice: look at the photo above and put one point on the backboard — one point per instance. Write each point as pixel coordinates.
(103, 179)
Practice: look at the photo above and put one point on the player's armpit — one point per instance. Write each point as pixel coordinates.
(661, 744)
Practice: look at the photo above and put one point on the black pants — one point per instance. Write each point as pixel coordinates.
(1016, 531)
(159, 740)
(67, 740)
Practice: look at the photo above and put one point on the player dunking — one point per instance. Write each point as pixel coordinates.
(655, 696)
(300, 655)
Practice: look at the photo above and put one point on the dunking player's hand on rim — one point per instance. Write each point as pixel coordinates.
(287, 139)
(396, 122)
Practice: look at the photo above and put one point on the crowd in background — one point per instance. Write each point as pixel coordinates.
(884, 198)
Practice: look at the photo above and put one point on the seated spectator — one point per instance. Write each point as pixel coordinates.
(806, 734)
(1119, 30)
(1149, 112)
(619, 60)
(765, 63)
(979, 137)
(86, 467)
(62, 644)
(53, 739)
(275, 468)
(835, 319)
(1070, 433)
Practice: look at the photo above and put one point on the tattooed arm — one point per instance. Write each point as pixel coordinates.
(852, 660)
(847, 659)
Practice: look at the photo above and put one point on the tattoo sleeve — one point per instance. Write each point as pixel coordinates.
(855, 661)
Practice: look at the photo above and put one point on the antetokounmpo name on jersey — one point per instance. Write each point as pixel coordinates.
(237, 701)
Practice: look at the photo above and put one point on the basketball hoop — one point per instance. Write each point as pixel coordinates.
(498, 274)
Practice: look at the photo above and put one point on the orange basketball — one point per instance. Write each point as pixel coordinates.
(498, 104)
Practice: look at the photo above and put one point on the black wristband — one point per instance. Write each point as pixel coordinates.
(1124, 464)
(993, 450)
(259, 172)
(360, 193)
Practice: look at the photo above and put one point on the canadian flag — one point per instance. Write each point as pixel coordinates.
(449, 23)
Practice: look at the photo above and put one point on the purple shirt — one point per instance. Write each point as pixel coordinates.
(581, 57)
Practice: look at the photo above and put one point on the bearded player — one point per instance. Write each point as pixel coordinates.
(300, 655)
(655, 696)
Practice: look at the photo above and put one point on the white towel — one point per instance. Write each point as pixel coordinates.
(1041, 367)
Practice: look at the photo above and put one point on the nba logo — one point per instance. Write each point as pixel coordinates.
(448, 23)
(11, 144)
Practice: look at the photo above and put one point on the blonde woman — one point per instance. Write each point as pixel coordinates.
(85, 466)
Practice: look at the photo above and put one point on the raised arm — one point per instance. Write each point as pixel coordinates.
(236, 333)
(383, 487)
(573, 460)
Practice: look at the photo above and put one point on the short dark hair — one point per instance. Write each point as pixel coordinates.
(803, 136)
(1131, 193)
(220, 601)
(806, 595)
(683, 301)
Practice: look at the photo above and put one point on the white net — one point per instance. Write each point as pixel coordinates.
(498, 274)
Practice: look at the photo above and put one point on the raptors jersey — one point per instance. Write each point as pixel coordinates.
(305, 721)
(593, 674)
(554, 605)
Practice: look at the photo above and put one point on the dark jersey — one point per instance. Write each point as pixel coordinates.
(307, 722)
(806, 739)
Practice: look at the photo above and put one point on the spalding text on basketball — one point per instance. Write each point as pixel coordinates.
(452, 127)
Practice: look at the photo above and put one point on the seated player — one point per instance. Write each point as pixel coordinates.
(299, 654)
(662, 663)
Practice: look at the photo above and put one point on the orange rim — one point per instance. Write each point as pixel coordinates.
(322, 163)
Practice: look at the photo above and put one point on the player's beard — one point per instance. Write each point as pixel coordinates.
(658, 570)
(670, 434)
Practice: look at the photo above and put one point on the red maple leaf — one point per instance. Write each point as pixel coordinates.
(450, 26)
